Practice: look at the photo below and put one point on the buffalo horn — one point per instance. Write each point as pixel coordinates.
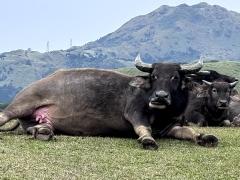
(203, 73)
(207, 82)
(233, 84)
(200, 73)
(192, 68)
(142, 66)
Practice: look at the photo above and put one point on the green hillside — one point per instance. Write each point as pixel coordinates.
(231, 68)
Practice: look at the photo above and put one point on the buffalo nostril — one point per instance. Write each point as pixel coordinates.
(161, 94)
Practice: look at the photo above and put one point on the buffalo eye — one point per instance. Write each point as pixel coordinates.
(174, 78)
(154, 77)
(214, 90)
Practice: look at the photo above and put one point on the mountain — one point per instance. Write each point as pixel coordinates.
(177, 34)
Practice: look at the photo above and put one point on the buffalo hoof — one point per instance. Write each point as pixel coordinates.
(207, 140)
(226, 123)
(149, 143)
(41, 133)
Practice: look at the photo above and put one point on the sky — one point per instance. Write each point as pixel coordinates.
(32, 23)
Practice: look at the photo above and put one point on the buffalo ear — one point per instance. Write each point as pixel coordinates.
(234, 92)
(140, 82)
(201, 94)
(187, 82)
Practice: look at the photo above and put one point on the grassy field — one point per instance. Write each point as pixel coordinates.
(116, 158)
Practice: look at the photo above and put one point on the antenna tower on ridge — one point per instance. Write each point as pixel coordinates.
(47, 46)
(70, 42)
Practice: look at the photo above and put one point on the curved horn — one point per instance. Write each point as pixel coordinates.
(200, 73)
(233, 84)
(207, 82)
(142, 66)
(192, 68)
(203, 73)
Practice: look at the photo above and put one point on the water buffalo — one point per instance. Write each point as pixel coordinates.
(234, 110)
(91, 102)
(209, 104)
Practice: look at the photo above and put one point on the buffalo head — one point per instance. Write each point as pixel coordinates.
(218, 93)
(164, 82)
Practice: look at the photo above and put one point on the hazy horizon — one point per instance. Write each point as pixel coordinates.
(30, 24)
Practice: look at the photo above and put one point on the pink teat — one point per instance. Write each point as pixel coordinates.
(41, 115)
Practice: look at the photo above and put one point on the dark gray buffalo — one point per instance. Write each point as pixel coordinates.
(234, 110)
(90, 102)
(209, 104)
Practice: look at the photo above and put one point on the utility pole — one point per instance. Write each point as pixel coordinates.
(47, 46)
(70, 42)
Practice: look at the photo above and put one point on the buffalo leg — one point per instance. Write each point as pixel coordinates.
(186, 133)
(12, 112)
(22, 106)
(13, 127)
(4, 118)
(145, 137)
(141, 127)
(41, 131)
(15, 111)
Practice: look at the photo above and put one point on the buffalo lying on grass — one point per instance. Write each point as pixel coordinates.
(234, 110)
(91, 102)
(210, 96)
(211, 107)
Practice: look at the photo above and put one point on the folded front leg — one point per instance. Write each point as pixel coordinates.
(145, 137)
(186, 133)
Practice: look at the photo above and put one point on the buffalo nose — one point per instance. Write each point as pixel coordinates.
(223, 102)
(161, 94)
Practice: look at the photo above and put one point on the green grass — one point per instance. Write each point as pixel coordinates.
(116, 158)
